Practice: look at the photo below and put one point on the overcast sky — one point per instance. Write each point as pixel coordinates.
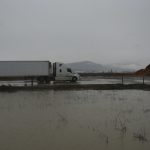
(103, 31)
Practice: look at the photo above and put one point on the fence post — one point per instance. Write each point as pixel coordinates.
(143, 80)
(32, 82)
(122, 79)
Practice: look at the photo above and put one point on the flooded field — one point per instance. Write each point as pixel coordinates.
(114, 80)
(75, 120)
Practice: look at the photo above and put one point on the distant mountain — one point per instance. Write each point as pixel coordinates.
(88, 66)
(144, 72)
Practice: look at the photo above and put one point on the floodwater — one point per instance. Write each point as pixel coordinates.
(114, 80)
(75, 120)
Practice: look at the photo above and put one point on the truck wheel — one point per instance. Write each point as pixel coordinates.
(74, 79)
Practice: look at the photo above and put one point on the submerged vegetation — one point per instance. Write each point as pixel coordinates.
(141, 135)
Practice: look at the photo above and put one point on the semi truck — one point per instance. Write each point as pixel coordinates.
(40, 71)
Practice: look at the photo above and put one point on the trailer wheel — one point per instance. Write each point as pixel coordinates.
(41, 80)
(47, 80)
(74, 79)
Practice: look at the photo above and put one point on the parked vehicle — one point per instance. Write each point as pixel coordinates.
(41, 71)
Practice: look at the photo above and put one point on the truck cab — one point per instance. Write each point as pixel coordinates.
(62, 72)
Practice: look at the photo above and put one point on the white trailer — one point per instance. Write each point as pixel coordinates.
(41, 71)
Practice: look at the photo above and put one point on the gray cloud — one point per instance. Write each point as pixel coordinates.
(104, 31)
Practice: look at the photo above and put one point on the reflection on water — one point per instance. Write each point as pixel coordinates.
(71, 120)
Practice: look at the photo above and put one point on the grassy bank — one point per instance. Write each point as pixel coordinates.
(77, 87)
